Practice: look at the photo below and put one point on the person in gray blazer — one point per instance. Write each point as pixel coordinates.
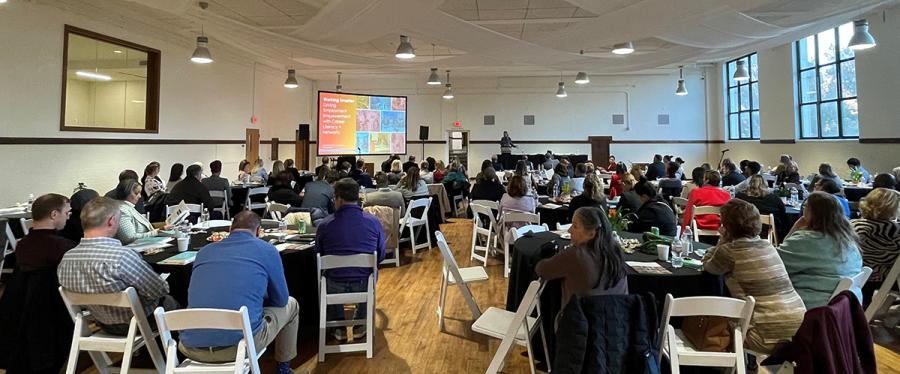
(132, 224)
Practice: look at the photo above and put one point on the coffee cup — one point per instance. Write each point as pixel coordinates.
(662, 252)
(183, 244)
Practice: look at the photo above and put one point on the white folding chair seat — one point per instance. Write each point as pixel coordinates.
(769, 220)
(703, 210)
(483, 233)
(856, 281)
(98, 344)
(508, 219)
(246, 359)
(193, 208)
(26, 223)
(415, 224)
(9, 247)
(883, 296)
(672, 343)
(257, 191)
(224, 208)
(367, 297)
(515, 328)
(276, 210)
(451, 272)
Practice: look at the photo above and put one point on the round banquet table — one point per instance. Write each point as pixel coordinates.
(682, 282)
(856, 193)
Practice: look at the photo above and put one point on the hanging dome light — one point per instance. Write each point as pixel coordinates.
(561, 90)
(405, 50)
(623, 48)
(201, 53)
(680, 90)
(741, 74)
(434, 79)
(861, 38)
(338, 87)
(291, 81)
(448, 92)
(582, 78)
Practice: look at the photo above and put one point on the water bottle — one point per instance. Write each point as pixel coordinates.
(282, 230)
(677, 251)
(204, 216)
(30, 198)
(795, 197)
(687, 239)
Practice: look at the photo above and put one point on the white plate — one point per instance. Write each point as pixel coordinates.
(213, 223)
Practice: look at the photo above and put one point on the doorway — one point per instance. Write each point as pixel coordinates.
(600, 149)
(459, 146)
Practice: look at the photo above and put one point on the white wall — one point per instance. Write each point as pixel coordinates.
(878, 105)
(196, 103)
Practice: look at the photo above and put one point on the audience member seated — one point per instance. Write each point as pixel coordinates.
(425, 174)
(132, 224)
(325, 162)
(656, 169)
(245, 174)
(100, 264)
(766, 203)
(611, 165)
(411, 162)
(242, 270)
(384, 195)
(517, 197)
(707, 195)
(277, 168)
(125, 175)
(751, 267)
(636, 171)
(593, 264)
(43, 247)
(259, 170)
(456, 182)
(884, 180)
(439, 171)
(411, 185)
(856, 167)
(387, 164)
(732, 176)
(360, 175)
(629, 202)
(527, 178)
(549, 161)
(828, 185)
(151, 180)
(879, 236)
(787, 171)
(825, 172)
(558, 180)
(679, 173)
(592, 196)
(670, 185)
(318, 195)
(570, 169)
(73, 230)
(821, 249)
(615, 181)
(215, 182)
(431, 163)
(654, 212)
(497, 165)
(578, 179)
(343, 169)
(175, 176)
(896, 173)
(349, 231)
(396, 172)
(696, 181)
(752, 168)
(191, 190)
(281, 191)
(487, 186)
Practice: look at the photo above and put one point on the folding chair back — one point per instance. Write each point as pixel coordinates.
(256, 191)
(856, 281)
(769, 220)
(881, 295)
(479, 230)
(350, 261)
(224, 208)
(415, 223)
(277, 210)
(27, 224)
(246, 359)
(452, 274)
(530, 228)
(700, 211)
(528, 305)
(193, 208)
(493, 205)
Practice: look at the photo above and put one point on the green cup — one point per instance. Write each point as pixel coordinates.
(301, 227)
(654, 230)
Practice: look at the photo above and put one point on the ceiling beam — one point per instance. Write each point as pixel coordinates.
(530, 21)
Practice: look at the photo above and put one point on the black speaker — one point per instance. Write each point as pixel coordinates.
(423, 132)
(303, 131)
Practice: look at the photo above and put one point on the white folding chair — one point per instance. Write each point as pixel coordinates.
(99, 343)
(351, 261)
(856, 281)
(276, 210)
(519, 232)
(27, 224)
(495, 206)
(680, 203)
(679, 350)
(479, 230)
(224, 208)
(256, 191)
(246, 360)
(193, 208)
(769, 219)
(461, 277)
(882, 295)
(518, 328)
(9, 247)
(509, 219)
(563, 227)
(415, 224)
(703, 210)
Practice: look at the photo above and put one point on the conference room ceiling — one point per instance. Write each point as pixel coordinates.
(474, 38)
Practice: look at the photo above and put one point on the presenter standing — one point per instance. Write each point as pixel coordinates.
(506, 144)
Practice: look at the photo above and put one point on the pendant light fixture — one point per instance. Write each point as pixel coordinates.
(680, 90)
(861, 38)
(623, 48)
(95, 75)
(405, 50)
(291, 81)
(582, 77)
(448, 93)
(561, 89)
(339, 87)
(433, 79)
(741, 74)
(201, 52)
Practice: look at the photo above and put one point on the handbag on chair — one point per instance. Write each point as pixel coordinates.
(708, 333)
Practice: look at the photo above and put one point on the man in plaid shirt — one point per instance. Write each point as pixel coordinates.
(100, 264)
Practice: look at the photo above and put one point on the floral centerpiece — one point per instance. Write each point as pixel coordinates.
(856, 176)
(617, 220)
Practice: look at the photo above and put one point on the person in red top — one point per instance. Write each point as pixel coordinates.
(615, 182)
(611, 167)
(707, 195)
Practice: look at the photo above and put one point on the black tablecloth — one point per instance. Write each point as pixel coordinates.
(555, 217)
(856, 193)
(509, 160)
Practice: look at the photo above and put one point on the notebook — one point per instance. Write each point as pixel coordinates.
(647, 267)
(182, 258)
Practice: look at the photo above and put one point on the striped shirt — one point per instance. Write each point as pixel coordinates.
(103, 265)
(752, 267)
(879, 242)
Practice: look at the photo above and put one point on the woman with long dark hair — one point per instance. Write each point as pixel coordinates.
(152, 182)
(411, 184)
(175, 175)
(593, 264)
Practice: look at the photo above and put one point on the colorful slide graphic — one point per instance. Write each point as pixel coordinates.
(352, 124)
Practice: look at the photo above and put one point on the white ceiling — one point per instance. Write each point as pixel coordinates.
(478, 37)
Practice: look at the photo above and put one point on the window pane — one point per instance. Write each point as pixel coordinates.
(745, 97)
(808, 86)
(733, 100)
(807, 52)
(826, 46)
(733, 126)
(848, 78)
(845, 32)
(829, 120)
(754, 94)
(850, 117)
(745, 125)
(828, 83)
(810, 121)
(732, 66)
(754, 123)
(754, 68)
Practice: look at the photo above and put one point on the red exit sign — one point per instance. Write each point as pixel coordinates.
(457, 124)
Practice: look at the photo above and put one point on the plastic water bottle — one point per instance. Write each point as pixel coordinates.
(795, 197)
(204, 216)
(677, 251)
(282, 230)
(687, 238)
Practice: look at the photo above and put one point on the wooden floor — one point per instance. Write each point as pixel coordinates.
(407, 339)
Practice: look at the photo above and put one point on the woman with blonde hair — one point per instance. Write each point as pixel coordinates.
(757, 193)
(412, 184)
(439, 171)
(879, 235)
(396, 172)
(592, 196)
(636, 172)
(787, 171)
(629, 200)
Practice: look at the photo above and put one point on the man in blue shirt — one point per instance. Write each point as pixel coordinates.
(856, 165)
(348, 231)
(828, 185)
(242, 270)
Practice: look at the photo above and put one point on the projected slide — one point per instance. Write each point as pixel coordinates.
(352, 124)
